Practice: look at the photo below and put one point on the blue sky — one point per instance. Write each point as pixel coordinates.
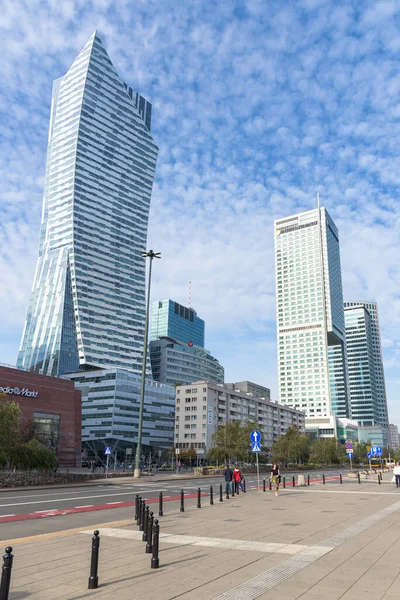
(257, 105)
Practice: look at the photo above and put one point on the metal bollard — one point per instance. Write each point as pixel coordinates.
(6, 573)
(182, 508)
(237, 485)
(293, 481)
(227, 491)
(136, 506)
(160, 505)
(233, 488)
(149, 545)
(138, 511)
(221, 495)
(198, 498)
(145, 523)
(323, 479)
(358, 477)
(244, 485)
(340, 478)
(211, 495)
(270, 484)
(155, 562)
(284, 482)
(379, 478)
(264, 489)
(94, 563)
(308, 479)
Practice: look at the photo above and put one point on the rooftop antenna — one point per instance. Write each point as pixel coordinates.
(317, 201)
(190, 292)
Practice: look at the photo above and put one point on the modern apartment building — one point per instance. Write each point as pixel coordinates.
(110, 410)
(204, 405)
(87, 306)
(360, 357)
(170, 319)
(312, 363)
(176, 363)
(375, 349)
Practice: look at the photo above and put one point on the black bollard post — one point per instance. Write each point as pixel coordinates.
(308, 479)
(221, 495)
(182, 508)
(244, 485)
(284, 482)
(211, 495)
(227, 491)
(237, 485)
(233, 488)
(264, 489)
(379, 478)
(94, 563)
(270, 484)
(155, 561)
(139, 511)
(142, 512)
(6, 573)
(323, 479)
(149, 545)
(340, 478)
(136, 506)
(198, 498)
(293, 481)
(358, 477)
(160, 505)
(145, 523)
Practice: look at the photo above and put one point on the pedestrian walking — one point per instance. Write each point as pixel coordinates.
(228, 475)
(275, 477)
(396, 473)
(237, 479)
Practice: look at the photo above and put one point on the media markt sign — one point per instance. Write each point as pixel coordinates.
(16, 391)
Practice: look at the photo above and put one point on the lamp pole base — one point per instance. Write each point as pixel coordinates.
(136, 473)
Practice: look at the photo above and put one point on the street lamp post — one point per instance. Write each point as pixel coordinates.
(150, 254)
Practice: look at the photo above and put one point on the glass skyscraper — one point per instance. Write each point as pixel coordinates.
(365, 351)
(312, 363)
(87, 307)
(170, 319)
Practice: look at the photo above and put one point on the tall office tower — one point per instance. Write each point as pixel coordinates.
(87, 307)
(312, 363)
(360, 358)
(379, 374)
(170, 319)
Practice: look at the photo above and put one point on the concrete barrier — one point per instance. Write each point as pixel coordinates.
(301, 479)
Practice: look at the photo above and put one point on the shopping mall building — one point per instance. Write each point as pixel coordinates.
(51, 406)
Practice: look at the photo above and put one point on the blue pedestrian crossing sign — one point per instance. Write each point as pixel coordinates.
(255, 447)
(107, 450)
(255, 437)
(349, 453)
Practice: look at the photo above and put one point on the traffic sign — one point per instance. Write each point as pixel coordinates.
(255, 436)
(349, 453)
(255, 447)
(107, 450)
(376, 450)
(349, 445)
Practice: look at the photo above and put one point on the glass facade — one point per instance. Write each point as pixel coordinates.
(312, 364)
(366, 362)
(170, 319)
(110, 409)
(87, 306)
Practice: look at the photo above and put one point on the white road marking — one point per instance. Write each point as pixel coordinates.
(44, 511)
(119, 502)
(69, 499)
(85, 506)
(3, 516)
(189, 540)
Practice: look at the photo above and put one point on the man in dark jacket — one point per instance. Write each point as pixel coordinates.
(228, 474)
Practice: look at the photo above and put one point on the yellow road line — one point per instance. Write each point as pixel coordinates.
(55, 534)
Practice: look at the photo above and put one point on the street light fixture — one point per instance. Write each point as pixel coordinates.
(150, 254)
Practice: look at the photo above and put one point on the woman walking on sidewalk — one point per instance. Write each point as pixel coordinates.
(275, 477)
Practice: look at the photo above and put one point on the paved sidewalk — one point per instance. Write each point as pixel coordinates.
(333, 541)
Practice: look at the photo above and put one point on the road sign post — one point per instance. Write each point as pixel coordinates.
(255, 438)
(107, 452)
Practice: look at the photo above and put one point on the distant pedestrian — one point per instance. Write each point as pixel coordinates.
(237, 479)
(396, 473)
(275, 477)
(228, 474)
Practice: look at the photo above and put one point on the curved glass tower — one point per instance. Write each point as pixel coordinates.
(87, 307)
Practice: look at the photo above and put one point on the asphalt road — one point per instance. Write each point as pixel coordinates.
(24, 513)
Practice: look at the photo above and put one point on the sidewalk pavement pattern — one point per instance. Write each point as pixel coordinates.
(333, 541)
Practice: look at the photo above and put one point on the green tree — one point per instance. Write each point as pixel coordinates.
(292, 446)
(10, 417)
(324, 451)
(231, 442)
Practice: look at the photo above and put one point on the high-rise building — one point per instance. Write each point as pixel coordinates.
(175, 363)
(312, 364)
(374, 340)
(360, 357)
(170, 319)
(393, 436)
(87, 307)
(204, 405)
